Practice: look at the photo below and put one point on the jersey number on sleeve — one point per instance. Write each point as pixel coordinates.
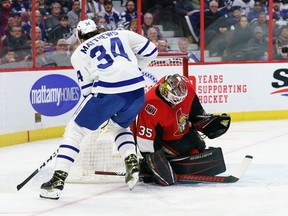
(145, 132)
(117, 49)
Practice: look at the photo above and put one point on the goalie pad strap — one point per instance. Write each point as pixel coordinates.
(162, 171)
(210, 162)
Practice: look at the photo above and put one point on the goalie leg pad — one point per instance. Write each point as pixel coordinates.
(162, 171)
(210, 162)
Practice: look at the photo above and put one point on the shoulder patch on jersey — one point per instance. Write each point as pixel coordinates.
(150, 109)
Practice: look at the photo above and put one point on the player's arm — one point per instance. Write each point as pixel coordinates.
(83, 75)
(143, 48)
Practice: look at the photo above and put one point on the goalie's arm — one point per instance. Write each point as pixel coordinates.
(196, 109)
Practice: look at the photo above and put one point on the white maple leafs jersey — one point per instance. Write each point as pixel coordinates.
(109, 62)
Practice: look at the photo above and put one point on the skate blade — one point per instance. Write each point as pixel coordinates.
(133, 181)
(50, 194)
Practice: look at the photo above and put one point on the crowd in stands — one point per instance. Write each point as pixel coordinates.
(237, 30)
(234, 30)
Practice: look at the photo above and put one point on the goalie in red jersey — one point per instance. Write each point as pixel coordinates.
(168, 135)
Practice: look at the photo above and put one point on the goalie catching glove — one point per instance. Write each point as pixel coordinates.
(212, 126)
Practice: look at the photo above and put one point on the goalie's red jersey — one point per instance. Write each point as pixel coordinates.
(159, 121)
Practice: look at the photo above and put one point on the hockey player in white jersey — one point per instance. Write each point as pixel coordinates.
(108, 69)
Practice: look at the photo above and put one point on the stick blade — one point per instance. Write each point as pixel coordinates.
(243, 167)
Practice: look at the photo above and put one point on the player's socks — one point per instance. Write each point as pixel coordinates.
(53, 188)
(132, 170)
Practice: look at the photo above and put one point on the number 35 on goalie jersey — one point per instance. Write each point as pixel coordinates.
(159, 123)
(109, 62)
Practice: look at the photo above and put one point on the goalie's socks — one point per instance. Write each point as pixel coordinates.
(50, 194)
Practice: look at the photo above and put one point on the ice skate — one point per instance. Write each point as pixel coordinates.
(53, 188)
(132, 171)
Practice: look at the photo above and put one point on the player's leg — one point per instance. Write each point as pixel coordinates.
(67, 153)
(89, 116)
(124, 138)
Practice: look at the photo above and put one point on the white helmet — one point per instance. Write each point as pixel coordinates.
(85, 27)
(173, 88)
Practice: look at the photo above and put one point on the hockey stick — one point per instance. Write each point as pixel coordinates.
(191, 178)
(19, 186)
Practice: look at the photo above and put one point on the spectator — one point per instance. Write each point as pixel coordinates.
(281, 44)
(8, 57)
(42, 58)
(234, 17)
(99, 7)
(152, 35)
(183, 46)
(216, 26)
(5, 7)
(74, 14)
(100, 21)
(238, 46)
(61, 56)
(65, 6)
(9, 60)
(18, 42)
(257, 47)
(227, 9)
(263, 23)
(148, 23)
(163, 46)
(91, 9)
(255, 11)
(129, 13)
(37, 35)
(133, 25)
(279, 14)
(111, 16)
(62, 30)
(246, 5)
(18, 6)
(53, 19)
(16, 19)
(265, 4)
(43, 8)
(39, 23)
(185, 8)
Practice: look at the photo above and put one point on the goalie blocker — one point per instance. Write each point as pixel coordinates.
(163, 170)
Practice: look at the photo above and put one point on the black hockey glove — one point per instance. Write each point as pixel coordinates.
(212, 126)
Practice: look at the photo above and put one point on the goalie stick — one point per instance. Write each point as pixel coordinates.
(19, 186)
(191, 178)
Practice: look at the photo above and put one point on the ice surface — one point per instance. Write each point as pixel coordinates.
(262, 191)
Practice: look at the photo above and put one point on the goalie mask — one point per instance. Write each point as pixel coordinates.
(173, 89)
(86, 29)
